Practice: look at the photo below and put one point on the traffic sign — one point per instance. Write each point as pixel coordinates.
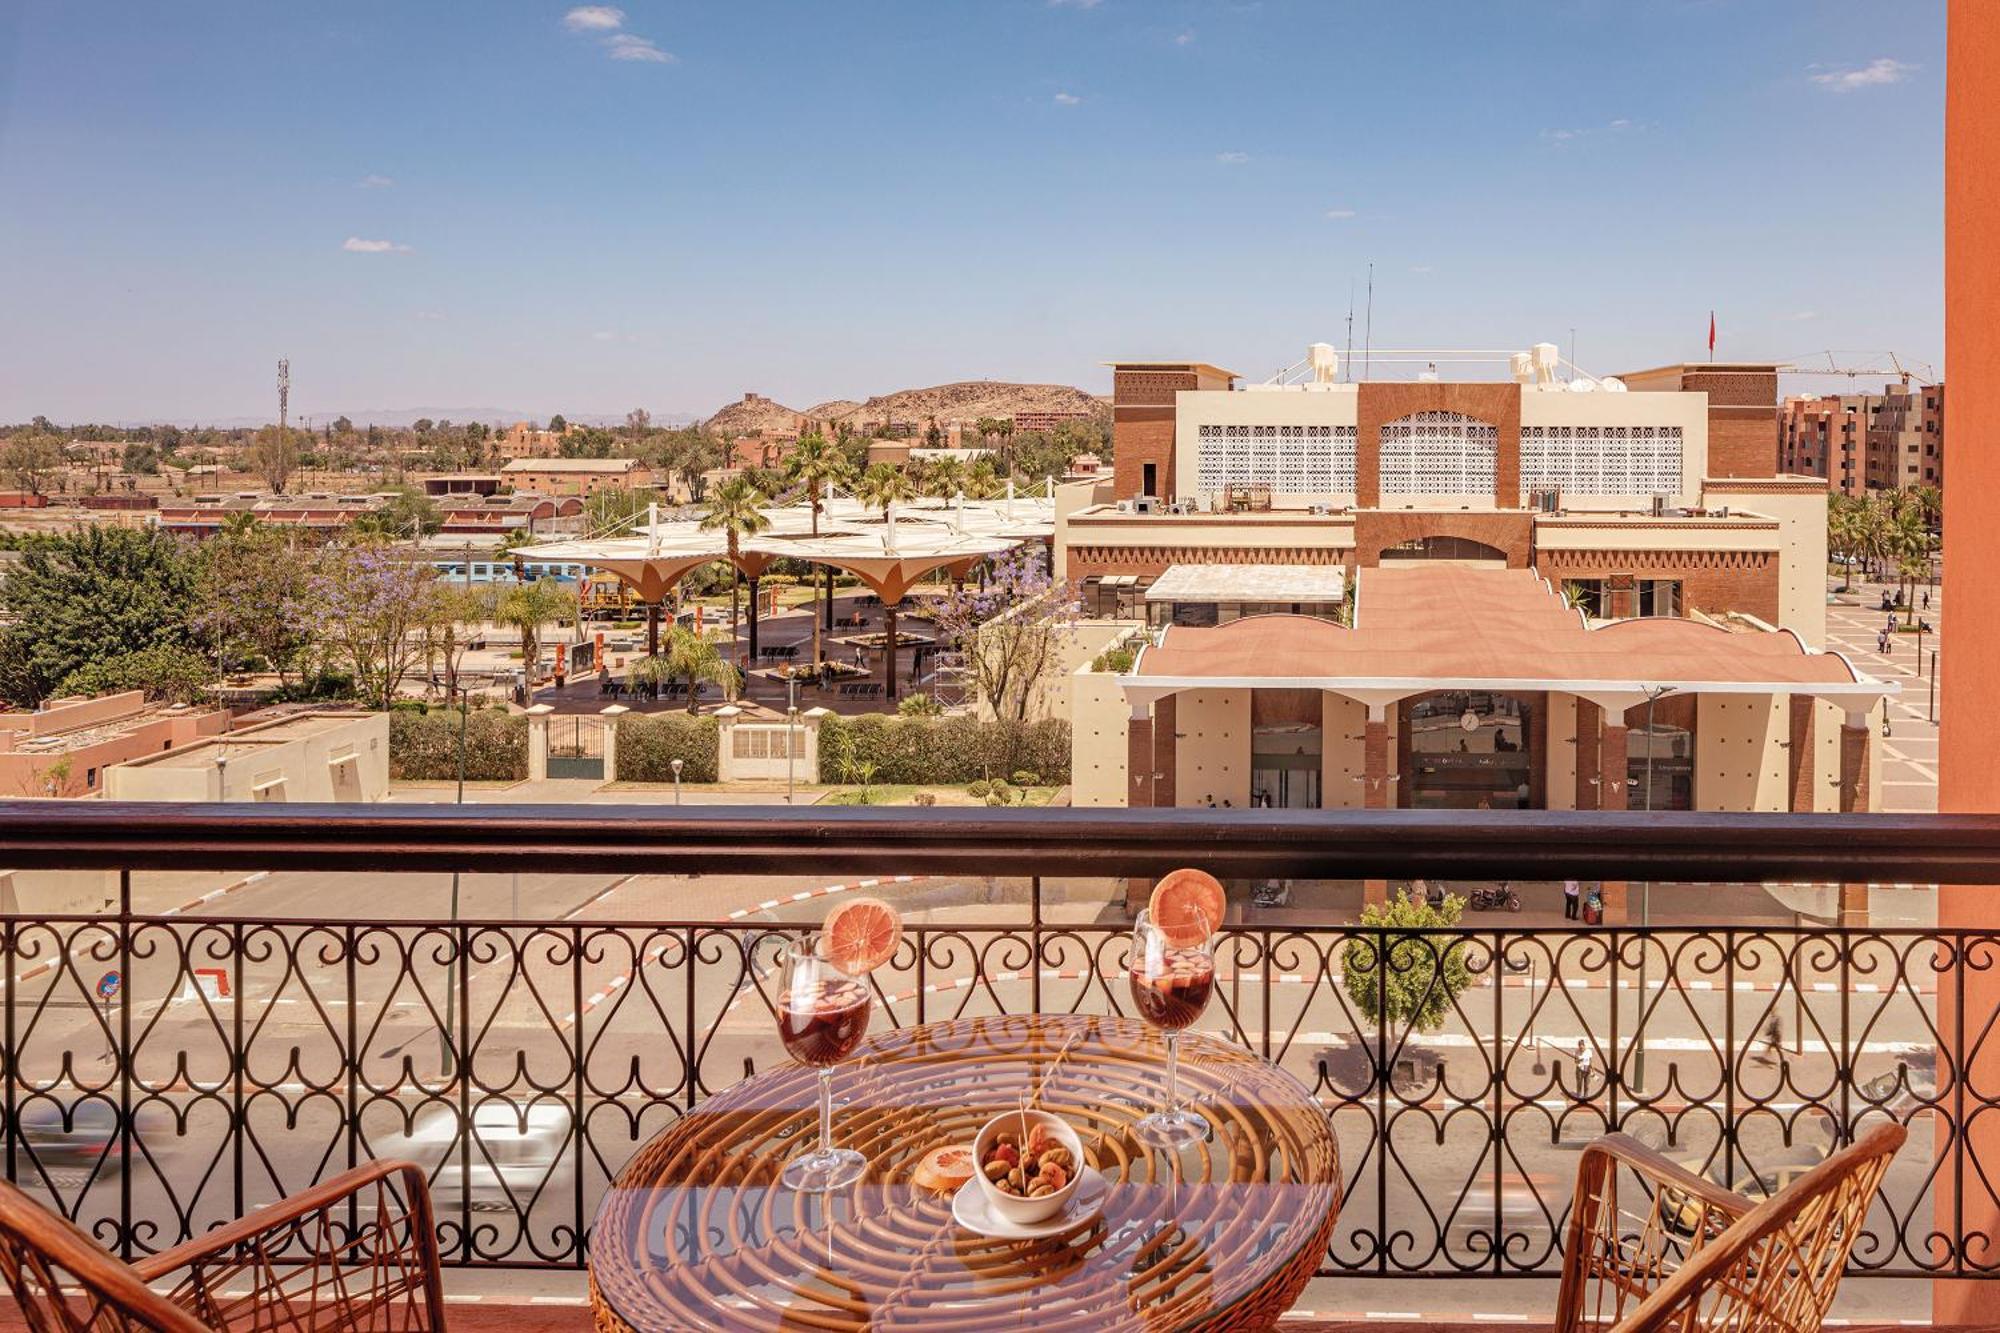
(108, 984)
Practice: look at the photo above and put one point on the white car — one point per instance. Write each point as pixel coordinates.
(514, 1154)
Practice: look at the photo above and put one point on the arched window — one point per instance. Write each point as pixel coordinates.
(1438, 453)
(1443, 548)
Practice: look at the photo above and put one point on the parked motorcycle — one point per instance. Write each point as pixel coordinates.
(1495, 899)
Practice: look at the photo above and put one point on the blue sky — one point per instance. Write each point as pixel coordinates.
(530, 206)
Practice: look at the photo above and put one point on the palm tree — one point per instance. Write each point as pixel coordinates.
(527, 607)
(815, 462)
(737, 508)
(884, 484)
(945, 477)
(696, 659)
(881, 486)
(1909, 541)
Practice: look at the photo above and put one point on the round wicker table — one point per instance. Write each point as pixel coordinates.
(697, 1233)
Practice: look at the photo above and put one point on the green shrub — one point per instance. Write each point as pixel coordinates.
(423, 746)
(954, 750)
(166, 673)
(1116, 661)
(977, 791)
(648, 746)
(1027, 777)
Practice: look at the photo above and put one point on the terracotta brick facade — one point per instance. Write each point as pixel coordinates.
(1378, 404)
(1711, 581)
(1152, 561)
(1142, 425)
(1511, 532)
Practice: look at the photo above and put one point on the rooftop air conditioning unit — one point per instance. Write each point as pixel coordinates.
(1722, 512)
(1124, 506)
(1146, 504)
(1546, 499)
(1659, 506)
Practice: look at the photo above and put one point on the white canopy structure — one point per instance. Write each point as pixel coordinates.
(1296, 584)
(888, 551)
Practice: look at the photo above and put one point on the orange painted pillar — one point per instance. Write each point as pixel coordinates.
(1375, 785)
(1854, 733)
(1968, 778)
(1139, 759)
(1589, 719)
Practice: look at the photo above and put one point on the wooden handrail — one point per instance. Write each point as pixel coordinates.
(1244, 844)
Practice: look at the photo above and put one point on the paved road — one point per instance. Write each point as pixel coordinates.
(1910, 751)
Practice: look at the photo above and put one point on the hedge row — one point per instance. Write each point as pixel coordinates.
(423, 746)
(942, 750)
(647, 747)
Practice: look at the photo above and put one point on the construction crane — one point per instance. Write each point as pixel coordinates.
(1885, 366)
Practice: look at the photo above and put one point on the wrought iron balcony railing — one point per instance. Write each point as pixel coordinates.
(240, 1058)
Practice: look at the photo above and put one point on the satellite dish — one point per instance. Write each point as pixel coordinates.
(1468, 721)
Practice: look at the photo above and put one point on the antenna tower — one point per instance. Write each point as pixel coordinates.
(284, 393)
(1368, 334)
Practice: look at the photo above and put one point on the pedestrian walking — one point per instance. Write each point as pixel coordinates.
(1572, 899)
(1582, 1068)
(1927, 599)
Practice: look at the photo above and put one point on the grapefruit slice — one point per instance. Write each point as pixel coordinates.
(945, 1169)
(1187, 907)
(862, 933)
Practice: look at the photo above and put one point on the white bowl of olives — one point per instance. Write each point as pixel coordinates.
(1027, 1165)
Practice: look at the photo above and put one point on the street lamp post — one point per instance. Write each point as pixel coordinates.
(1653, 693)
(676, 766)
(791, 733)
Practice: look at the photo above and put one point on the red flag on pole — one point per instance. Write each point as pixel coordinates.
(1711, 335)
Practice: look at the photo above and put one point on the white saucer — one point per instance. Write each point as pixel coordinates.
(969, 1210)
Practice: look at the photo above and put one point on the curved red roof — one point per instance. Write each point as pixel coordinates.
(1456, 624)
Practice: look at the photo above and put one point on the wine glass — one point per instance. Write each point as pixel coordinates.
(1172, 975)
(822, 1015)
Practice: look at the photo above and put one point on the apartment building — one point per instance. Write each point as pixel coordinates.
(1861, 442)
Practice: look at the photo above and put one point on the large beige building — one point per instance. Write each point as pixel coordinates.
(1537, 593)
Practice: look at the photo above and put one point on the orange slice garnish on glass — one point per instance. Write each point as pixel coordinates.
(862, 933)
(1187, 906)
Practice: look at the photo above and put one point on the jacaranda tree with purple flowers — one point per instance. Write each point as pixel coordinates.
(1012, 630)
(370, 609)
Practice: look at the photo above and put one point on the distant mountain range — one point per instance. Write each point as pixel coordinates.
(407, 416)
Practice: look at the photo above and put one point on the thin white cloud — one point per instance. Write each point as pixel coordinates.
(1799, 316)
(1232, 159)
(1570, 134)
(625, 46)
(374, 182)
(1874, 74)
(1339, 214)
(1185, 38)
(1422, 268)
(1074, 4)
(594, 18)
(1068, 99)
(613, 336)
(430, 316)
(355, 245)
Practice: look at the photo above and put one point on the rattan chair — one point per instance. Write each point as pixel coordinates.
(1654, 1247)
(357, 1252)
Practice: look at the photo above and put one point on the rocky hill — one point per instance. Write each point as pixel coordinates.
(754, 414)
(966, 400)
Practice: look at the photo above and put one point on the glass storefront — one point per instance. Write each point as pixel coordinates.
(1468, 750)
